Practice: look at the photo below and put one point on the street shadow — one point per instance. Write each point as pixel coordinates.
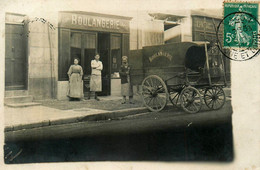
(199, 143)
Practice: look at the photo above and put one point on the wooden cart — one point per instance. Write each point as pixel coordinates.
(200, 82)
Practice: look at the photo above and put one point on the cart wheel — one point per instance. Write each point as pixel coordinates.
(214, 97)
(154, 93)
(175, 96)
(191, 100)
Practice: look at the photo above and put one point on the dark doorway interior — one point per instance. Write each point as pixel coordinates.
(104, 51)
(90, 49)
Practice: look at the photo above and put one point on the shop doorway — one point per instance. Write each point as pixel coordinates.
(104, 52)
(84, 45)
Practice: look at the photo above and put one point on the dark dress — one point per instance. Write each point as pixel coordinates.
(126, 88)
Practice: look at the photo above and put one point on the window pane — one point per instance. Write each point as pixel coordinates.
(75, 53)
(89, 55)
(115, 42)
(64, 54)
(75, 40)
(116, 60)
(90, 41)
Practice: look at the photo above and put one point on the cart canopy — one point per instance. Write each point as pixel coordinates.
(195, 57)
(175, 54)
(168, 60)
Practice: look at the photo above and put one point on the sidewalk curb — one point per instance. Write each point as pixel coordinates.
(95, 117)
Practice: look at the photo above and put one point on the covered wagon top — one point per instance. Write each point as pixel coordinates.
(181, 54)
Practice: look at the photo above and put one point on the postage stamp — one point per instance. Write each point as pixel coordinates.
(240, 25)
(241, 30)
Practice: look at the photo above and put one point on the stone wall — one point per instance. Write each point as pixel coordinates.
(42, 60)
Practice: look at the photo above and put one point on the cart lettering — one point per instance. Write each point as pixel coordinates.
(160, 54)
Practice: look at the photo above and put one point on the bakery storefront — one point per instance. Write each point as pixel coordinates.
(81, 35)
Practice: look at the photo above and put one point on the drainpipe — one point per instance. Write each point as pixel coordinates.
(51, 59)
(137, 36)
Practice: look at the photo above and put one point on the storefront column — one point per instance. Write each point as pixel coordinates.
(42, 59)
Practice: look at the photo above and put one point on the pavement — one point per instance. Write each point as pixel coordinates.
(55, 112)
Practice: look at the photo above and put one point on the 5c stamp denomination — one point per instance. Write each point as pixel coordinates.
(241, 30)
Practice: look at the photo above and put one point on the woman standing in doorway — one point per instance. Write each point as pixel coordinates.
(75, 74)
(126, 88)
(95, 80)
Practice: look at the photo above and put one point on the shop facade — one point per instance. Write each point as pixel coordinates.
(39, 52)
(82, 35)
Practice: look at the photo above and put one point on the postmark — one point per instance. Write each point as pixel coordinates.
(241, 31)
(42, 20)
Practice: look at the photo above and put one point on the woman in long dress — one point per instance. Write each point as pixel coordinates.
(126, 87)
(75, 74)
(95, 80)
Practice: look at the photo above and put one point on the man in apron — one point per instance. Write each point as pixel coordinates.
(95, 80)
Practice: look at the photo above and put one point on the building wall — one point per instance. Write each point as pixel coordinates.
(153, 33)
(173, 34)
(145, 32)
(186, 29)
(62, 88)
(42, 60)
(135, 35)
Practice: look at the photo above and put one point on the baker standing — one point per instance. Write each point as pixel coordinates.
(95, 80)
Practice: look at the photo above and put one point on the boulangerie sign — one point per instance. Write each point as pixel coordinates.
(94, 21)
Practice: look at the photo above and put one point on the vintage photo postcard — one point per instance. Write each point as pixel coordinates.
(130, 84)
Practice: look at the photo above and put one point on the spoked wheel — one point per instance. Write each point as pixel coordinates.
(155, 93)
(191, 100)
(214, 97)
(175, 96)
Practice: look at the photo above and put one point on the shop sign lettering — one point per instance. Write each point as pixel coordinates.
(97, 23)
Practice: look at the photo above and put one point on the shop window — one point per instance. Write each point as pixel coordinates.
(64, 54)
(116, 53)
(75, 46)
(90, 44)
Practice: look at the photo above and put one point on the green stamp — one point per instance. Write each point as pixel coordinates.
(241, 25)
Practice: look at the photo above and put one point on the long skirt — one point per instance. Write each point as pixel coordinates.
(95, 83)
(126, 89)
(75, 89)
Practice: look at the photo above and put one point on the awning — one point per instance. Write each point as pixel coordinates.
(170, 20)
(200, 43)
(166, 17)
